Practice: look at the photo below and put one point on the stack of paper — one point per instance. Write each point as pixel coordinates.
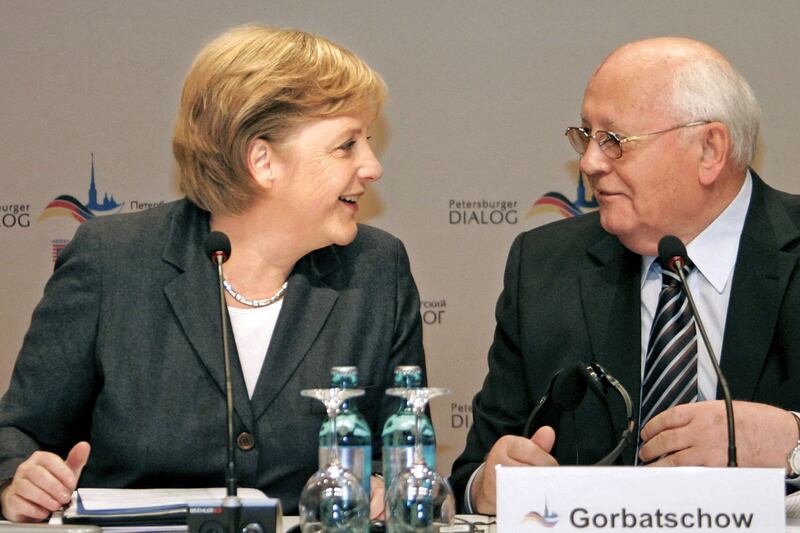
(159, 509)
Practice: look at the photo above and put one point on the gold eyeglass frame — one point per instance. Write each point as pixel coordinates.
(604, 137)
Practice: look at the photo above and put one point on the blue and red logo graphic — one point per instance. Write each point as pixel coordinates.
(67, 205)
(550, 202)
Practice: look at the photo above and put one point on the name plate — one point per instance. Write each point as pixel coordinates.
(608, 498)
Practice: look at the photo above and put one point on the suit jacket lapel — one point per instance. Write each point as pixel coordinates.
(194, 297)
(306, 306)
(759, 283)
(611, 298)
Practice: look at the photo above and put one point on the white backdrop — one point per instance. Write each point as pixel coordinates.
(480, 95)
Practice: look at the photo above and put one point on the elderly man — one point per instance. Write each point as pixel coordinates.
(667, 134)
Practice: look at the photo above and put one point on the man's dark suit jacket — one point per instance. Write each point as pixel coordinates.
(124, 350)
(572, 293)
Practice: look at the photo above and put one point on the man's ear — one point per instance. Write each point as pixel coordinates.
(260, 162)
(715, 150)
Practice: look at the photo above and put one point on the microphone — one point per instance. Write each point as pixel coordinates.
(218, 249)
(672, 254)
(234, 515)
(564, 393)
(567, 390)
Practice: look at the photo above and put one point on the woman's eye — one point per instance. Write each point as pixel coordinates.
(348, 145)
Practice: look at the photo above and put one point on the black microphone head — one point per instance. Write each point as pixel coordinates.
(569, 388)
(670, 251)
(217, 243)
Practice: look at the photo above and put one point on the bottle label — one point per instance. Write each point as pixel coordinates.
(399, 458)
(356, 459)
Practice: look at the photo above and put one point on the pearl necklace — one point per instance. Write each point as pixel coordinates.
(255, 303)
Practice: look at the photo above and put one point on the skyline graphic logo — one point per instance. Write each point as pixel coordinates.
(546, 519)
(67, 205)
(555, 202)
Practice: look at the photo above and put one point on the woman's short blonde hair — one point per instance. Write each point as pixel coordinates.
(259, 82)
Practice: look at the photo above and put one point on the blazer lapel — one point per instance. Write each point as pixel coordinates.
(306, 306)
(194, 297)
(611, 299)
(759, 283)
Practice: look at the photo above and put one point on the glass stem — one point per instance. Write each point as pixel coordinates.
(334, 458)
(419, 458)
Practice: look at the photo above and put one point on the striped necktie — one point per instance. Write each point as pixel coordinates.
(670, 371)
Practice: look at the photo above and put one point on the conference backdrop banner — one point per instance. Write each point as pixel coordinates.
(472, 140)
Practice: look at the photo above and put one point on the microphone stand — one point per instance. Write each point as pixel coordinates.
(677, 263)
(233, 515)
(231, 503)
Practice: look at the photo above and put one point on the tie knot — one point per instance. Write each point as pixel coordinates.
(668, 277)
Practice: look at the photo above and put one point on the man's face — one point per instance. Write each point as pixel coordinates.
(652, 190)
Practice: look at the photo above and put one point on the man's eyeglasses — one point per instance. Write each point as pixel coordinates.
(609, 142)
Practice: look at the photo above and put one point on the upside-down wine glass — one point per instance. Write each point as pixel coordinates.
(333, 500)
(419, 499)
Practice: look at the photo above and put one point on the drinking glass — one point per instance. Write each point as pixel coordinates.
(333, 500)
(419, 499)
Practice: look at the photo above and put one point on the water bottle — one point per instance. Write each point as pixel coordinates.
(355, 438)
(398, 432)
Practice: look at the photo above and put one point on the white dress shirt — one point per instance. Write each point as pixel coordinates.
(713, 253)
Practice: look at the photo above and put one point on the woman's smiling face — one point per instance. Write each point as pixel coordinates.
(319, 174)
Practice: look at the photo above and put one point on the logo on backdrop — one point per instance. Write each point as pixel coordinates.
(56, 246)
(460, 415)
(15, 215)
(433, 311)
(66, 205)
(482, 212)
(555, 202)
(547, 519)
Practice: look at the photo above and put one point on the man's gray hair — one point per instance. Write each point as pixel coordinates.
(708, 88)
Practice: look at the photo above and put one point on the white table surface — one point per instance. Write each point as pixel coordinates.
(289, 521)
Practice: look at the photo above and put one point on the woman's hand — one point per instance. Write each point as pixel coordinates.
(43, 483)
(377, 490)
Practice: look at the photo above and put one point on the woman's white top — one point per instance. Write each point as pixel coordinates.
(252, 330)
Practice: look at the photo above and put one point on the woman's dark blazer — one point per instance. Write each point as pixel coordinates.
(124, 350)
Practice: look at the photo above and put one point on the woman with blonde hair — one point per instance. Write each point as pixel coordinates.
(120, 380)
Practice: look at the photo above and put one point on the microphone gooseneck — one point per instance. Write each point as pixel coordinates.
(218, 249)
(601, 381)
(672, 254)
